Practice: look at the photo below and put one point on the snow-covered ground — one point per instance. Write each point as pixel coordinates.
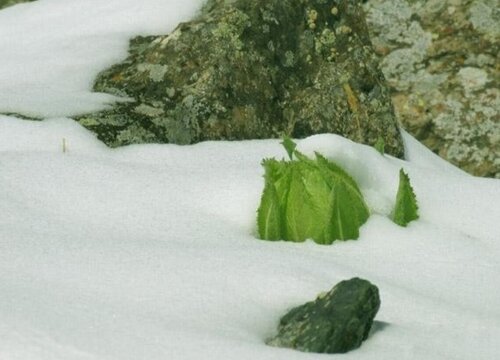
(150, 252)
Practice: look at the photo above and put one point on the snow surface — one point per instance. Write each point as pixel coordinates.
(52, 50)
(150, 252)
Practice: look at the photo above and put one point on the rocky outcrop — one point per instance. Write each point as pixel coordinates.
(249, 70)
(441, 59)
(336, 322)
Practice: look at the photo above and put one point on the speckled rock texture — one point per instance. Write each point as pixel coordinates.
(336, 322)
(252, 69)
(6, 3)
(441, 59)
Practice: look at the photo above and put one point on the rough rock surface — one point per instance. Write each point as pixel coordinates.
(6, 3)
(442, 61)
(335, 322)
(252, 69)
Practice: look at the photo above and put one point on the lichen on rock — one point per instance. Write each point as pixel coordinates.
(441, 60)
(248, 70)
(336, 322)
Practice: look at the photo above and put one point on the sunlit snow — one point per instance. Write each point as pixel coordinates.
(150, 251)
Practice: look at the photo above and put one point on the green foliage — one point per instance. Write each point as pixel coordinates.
(289, 146)
(406, 209)
(309, 199)
(270, 214)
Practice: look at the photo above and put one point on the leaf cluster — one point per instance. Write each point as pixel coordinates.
(309, 199)
(306, 198)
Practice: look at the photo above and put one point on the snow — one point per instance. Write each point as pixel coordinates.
(52, 50)
(150, 251)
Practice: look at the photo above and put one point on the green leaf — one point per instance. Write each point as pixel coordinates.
(282, 178)
(289, 146)
(297, 212)
(317, 190)
(406, 208)
(334, 173)
(269, 214)
(380, 145)
(347, 213)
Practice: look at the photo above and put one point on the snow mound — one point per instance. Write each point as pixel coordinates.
(150, 251)
(52, 50)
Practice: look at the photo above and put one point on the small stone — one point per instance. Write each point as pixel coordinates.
(336, 322)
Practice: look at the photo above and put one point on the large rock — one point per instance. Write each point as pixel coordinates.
(441, 59)
(251, 69)
(336, 322)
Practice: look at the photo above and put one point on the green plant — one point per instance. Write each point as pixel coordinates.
(406, 208)
(307, 198)
(380, 145)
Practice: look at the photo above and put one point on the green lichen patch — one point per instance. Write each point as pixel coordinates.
(441, 61)
(336, 322)
(249, 70)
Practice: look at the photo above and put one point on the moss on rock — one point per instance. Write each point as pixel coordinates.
(249, 70)
(336, 322)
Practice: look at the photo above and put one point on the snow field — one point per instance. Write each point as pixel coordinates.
(150, 251)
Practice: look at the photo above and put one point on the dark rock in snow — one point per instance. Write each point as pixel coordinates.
(251, 69)
(336, 322)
